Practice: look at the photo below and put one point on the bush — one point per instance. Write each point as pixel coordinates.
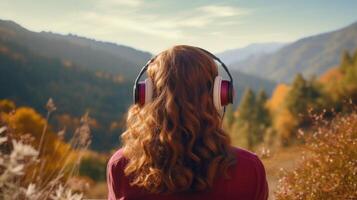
(93, 167)
(34, 162)
(329, 166)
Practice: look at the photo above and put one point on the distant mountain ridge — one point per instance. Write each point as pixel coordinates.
(91, 54)
(255, 49)
(310, 56)
(30, 80)
(97, 56)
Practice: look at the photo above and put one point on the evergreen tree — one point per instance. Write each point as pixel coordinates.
(253, 117)
(229, 117)
(346, 61)
(354, 58)
(349, 82)
(246, 106)
(262, 115)
(246, 117)
(296, 99)
(304, 95)
(261, 110)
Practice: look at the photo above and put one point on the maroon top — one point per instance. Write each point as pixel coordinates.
(248, 181)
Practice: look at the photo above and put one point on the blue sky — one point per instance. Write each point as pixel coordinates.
(154, 25)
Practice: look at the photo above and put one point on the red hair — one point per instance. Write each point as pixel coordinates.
(176, 142)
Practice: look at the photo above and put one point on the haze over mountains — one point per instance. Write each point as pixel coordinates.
(310, 56)
(88, 53)
(255, 49)
(94, 55)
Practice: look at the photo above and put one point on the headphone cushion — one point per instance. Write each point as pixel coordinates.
(217, 94)
(143, 92)
(149, 87)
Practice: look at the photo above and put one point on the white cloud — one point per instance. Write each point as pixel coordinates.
(121, 3)
(223, 11)
(135, 25)
(209, 15)
(122, 23)
(164, 26)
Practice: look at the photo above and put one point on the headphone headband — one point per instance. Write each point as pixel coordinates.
(220, 62)
(223, 91)
(144, 68)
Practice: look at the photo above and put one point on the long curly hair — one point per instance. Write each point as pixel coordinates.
(176, 142)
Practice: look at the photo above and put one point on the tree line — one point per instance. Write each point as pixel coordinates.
(276, 121)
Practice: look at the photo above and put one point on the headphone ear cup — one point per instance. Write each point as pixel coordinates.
(217, 94)
(226, 92)
(143, 92)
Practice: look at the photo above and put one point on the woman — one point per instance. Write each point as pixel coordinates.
(174, 146)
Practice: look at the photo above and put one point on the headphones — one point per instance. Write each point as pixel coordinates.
(223, 91)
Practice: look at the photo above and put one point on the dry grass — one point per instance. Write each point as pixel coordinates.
(22, 164)
(284, 158)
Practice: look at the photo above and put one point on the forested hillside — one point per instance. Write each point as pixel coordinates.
(31, 80)
(309, 56)
(109, 58)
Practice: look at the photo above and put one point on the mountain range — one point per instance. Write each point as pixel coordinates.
(88, 53)
(255, 49)
(309, 56)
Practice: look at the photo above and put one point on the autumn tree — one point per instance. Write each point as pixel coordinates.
(228, 117)
(346, 60)
(261, 109)
(283, 122)
(349, 81)
(253, 117)
(303, 96)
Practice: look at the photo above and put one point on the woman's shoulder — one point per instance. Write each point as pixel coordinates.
(246, 155)
(248, 164)
(249, 173)
(117, 159)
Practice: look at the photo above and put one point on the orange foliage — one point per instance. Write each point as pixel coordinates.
(26, 121)
(332, 75)
(332, 80)
(285, 123)
(275, 103)
(327, 167)
(7, 106)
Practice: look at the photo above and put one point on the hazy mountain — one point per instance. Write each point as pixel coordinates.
(310, 56)
(102, 56)
(30, 80)
(88, 53)
(235, 55)
(243, 80)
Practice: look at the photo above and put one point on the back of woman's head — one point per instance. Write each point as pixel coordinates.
(175, 143)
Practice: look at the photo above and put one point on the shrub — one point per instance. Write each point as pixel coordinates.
(93, 166)
(329, 166)
(34, 162)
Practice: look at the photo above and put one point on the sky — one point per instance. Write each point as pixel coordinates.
(155, 25)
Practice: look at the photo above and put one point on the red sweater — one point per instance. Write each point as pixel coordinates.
(248, 181)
